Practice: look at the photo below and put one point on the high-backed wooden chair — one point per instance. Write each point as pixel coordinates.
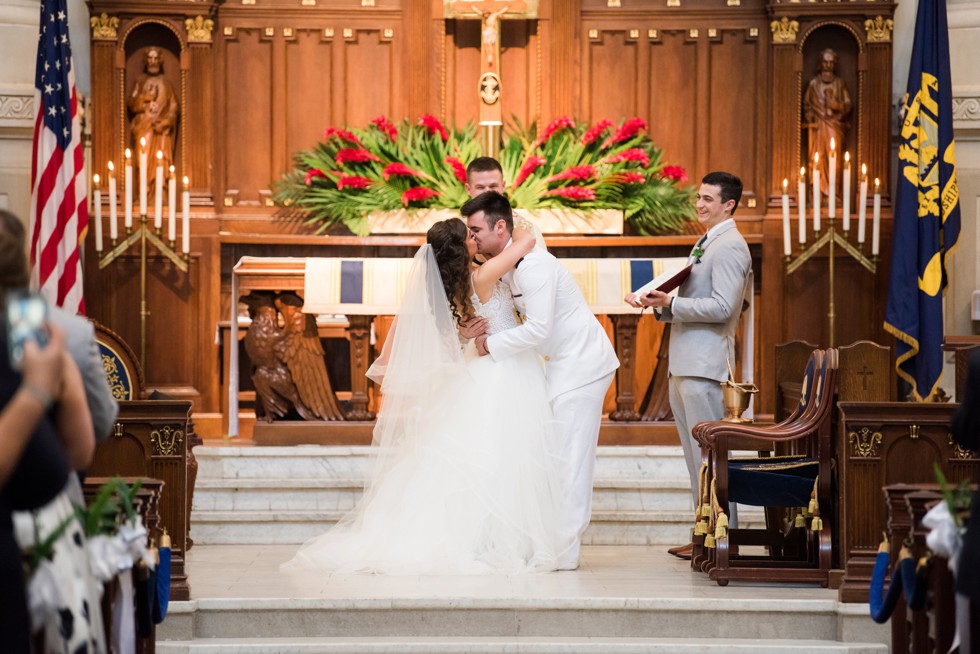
(793, 472)
(804, 405)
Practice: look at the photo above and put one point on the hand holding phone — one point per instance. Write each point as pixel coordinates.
(26, 322)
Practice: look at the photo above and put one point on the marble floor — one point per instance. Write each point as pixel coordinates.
(606, 572)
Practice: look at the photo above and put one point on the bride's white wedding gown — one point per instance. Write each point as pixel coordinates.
(472, 487)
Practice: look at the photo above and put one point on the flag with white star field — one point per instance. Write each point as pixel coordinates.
(59, 209)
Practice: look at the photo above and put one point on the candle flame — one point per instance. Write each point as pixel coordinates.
(785, 184)
(172, 169)
(159, 155)
(831, 143)
(142, 142)
(128, 154)
(816, 158)
(847, 157)
(95, 179)
(802, 171)
(112, 167)
(864, 170)
(186, 181)
(877, 183)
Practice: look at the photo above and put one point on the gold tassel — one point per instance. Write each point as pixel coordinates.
(709, 541)
(721, 526)
(814, 502)
(817, 524)
(705, 510)
(800, 521)
(699, 528)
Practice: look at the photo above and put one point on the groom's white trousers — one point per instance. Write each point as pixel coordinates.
(579, 414)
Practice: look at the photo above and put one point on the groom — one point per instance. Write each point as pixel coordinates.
(579, 359)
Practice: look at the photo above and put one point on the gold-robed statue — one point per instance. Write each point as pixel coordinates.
(827, 104)
(155, 108)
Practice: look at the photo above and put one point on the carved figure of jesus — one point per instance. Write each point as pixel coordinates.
(490, 31)
(490, 13)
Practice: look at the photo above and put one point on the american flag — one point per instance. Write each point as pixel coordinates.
(59, 210)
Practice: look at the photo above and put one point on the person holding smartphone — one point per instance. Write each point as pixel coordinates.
(46, 432)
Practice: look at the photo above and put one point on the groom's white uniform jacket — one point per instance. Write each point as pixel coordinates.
(557, 323)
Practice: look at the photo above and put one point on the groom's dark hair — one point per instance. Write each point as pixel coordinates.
(494, 207)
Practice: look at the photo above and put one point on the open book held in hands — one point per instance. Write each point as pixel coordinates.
(666, 281)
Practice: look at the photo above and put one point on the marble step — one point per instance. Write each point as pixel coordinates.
(339, 494)
(522, 645)
(326, 462)
(652, 527)
(575, 619)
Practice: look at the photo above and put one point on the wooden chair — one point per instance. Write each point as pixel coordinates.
(794, 469)
(803, 407)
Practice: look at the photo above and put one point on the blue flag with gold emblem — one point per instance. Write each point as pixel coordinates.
(927, 210)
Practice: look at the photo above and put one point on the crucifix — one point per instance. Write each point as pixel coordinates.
(490, 12)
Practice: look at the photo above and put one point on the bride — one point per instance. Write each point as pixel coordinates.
(465, 479)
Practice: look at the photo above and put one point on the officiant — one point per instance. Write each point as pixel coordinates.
(704, 316)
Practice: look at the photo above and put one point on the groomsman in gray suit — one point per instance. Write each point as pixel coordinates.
(704, 316)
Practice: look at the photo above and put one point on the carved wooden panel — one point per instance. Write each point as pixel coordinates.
(370, 80)
(519, 70)
(880, 444)
(247, 133)
(310, 89)
(614, 70)
(151, 440)
(670, 87)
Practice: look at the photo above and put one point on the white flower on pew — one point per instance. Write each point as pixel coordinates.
(945, 537)
(44, 594)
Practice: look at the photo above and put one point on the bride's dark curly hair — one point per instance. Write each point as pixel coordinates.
(448, 241)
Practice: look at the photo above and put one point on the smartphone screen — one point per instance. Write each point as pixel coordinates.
(26, 317)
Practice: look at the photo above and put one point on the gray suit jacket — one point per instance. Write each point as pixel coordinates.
(80, 343)
(704, 315)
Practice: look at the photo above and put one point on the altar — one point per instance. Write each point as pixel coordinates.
(358, 296)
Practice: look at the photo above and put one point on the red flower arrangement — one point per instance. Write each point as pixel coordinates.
(529, 167)
(628, 178)
(576, 193)
(312, 174)
(352, 181)
(342, 134)
(581, 173)
(417, 194)
(458, 169)
(633, 154)
(626, 131)
(401, 169)
(386, 127)
(432, 124)
(675, 173)
(555, 125)
(353, 155)
(596, 131)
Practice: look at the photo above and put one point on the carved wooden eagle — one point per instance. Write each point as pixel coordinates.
(303, 354)
(287, 363)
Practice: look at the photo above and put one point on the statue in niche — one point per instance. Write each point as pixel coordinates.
(155, 108)
(288, 369)
(827, 104)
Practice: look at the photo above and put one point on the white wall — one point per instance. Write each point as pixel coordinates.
(18, 54)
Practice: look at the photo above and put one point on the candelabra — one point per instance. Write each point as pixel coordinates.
(831, 238)
(143, 234)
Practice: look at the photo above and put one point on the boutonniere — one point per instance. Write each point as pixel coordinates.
(697, 254)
